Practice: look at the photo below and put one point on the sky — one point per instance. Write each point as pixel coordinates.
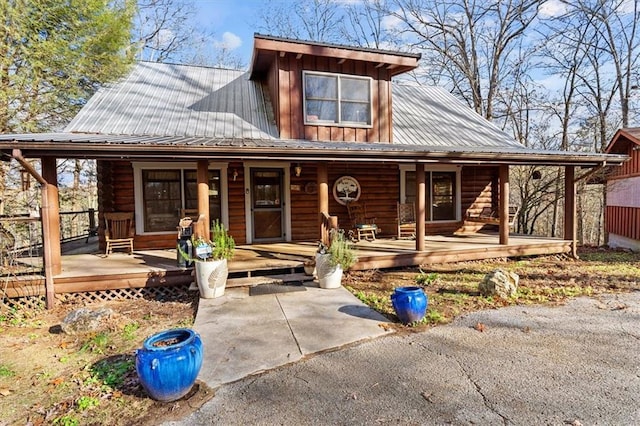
(233, 22)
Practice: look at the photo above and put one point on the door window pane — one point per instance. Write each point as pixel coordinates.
(443, 185)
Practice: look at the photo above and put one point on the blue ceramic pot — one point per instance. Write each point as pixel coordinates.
(169, 362)
(410, 303)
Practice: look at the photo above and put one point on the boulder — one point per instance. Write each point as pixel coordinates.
(84, 320)
(501, 283)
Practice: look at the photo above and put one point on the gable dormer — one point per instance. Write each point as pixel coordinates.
(329, 92)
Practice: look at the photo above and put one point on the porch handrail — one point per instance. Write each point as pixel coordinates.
(327, 223)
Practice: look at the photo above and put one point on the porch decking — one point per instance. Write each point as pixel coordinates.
(153, 268)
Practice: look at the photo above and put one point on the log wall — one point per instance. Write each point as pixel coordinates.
(380, 189)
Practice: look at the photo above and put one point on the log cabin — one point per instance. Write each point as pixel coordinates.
(622, 206)
(308, 128)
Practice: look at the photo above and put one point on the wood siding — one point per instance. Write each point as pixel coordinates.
(285, 84)
(630, 168)
(624, 220)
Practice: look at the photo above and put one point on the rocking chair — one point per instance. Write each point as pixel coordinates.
(363, 226)
(406, 220)
(119, 231)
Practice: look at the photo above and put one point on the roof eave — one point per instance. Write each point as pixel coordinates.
(227, 149)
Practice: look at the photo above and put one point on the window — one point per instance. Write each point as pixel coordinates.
(337, 99)
(166, 191)
(441, 194)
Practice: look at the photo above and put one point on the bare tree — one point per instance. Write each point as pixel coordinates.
(315, 20)
(471, 41)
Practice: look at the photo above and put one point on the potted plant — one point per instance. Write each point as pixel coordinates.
(210, 258)
(331, 261)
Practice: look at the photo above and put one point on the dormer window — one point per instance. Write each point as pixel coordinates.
(337, 99)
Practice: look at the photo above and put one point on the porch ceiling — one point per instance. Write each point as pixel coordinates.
(105, 146)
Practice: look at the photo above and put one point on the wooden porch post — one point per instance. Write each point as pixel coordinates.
(203, 195)
(503, 204)
(51, 213)
(570, 208)
(421, 212)
(323, 196)
(323, 188)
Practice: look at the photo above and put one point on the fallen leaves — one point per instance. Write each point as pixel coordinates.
(5, 392)
(480, 327)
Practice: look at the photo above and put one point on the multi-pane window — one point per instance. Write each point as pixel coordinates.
(337, 99)
(166, 193)
(440, 194)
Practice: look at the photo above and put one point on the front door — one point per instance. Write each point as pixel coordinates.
(267, 204)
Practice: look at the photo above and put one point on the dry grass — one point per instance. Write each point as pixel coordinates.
(452, 289)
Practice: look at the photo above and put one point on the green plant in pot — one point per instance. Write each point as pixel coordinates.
(211, 257)
(331, 261)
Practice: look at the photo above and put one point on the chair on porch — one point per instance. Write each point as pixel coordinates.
(192, 213)
(119, 231)
(363, 225)
(406, 220)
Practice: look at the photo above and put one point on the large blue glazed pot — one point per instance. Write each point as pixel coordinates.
(410, 303)
(169, 362)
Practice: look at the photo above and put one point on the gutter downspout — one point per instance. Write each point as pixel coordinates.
(46, 240)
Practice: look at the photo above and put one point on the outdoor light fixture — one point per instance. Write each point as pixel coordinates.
(298, 169)
(235, 174)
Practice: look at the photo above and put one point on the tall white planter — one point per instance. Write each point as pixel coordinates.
(212, 278)
(328, 276)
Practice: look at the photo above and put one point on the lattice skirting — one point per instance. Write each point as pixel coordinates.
(168, 294)
(28, 303)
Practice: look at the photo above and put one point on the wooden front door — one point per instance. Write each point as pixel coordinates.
(267, 204)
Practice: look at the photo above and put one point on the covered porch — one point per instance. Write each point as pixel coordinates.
(89, 270)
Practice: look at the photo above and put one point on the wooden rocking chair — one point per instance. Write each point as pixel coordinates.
(406, 220)
(119, 231)
(363, 226)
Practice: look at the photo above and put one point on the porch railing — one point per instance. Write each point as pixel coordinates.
(77, 224)
(21, 235)
(327, 223)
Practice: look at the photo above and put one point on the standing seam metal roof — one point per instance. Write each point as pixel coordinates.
(182, 101)
(179, 100)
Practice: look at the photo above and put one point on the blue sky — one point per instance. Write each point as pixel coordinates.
(232, 21)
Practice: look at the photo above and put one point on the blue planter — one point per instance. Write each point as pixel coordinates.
(169, 362)
(410, 303)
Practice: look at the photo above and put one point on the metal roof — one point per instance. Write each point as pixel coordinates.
(431, 116)
(179, 100)
(199, 112)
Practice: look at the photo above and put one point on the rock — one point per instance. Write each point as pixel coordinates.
(500, 283)
(85, 320)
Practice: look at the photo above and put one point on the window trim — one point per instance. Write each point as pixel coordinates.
(138, 167)
(340, 123)
(404, 168)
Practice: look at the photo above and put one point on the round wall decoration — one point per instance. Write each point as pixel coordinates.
(311, 188)
(346, 189)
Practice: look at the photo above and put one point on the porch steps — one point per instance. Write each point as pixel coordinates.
(267, 279)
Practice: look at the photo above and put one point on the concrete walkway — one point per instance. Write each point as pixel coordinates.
(244, 334)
